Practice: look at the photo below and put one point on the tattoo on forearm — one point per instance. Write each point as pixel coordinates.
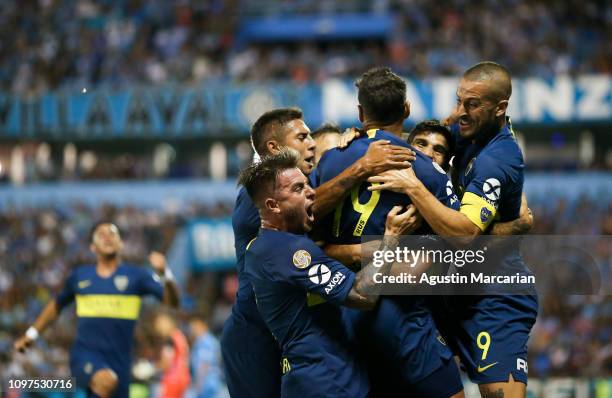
(493, 394)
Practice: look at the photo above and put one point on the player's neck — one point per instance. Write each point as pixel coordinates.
(275, 225)
(107, 266)
(396, 129)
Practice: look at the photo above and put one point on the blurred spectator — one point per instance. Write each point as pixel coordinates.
(205, 360)
(174, 357)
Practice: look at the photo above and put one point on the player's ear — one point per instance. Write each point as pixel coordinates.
(272, 205)
(361, 115)
(273, 147)
(502, 106)
(406, 109)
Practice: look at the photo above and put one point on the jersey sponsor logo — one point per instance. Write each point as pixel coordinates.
(336, 280)
(121, 282)
(117, 306)
(438, 167)
(492, 189)
(84, 284)
(301, 259)
(485, 214)
(521, 364)
(319, 274)
(481, 369)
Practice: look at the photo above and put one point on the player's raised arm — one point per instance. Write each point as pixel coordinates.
(380, 156)
(160, 266)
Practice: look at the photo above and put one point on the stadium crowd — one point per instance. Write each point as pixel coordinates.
(571, 338)
(50, 44)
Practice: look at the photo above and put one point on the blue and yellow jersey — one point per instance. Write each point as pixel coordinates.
(107, 308)
(490, 177)
(363, 212)
(289, 273)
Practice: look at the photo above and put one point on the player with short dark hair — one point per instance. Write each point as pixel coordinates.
(490, 332)
(434, 140)
(327, 136)
(108, 298)
(404, 352)
(251, 357)
(288, 271)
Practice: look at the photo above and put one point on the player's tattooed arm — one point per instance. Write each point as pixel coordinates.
(46, 317)
(443, 220)
(520, 226)
(353, 254)
(365, 291)
(380, 156)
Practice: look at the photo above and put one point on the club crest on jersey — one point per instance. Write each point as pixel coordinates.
(84, 284)
(485, 214)
(121, 282)
(301, 259)
(469, 167)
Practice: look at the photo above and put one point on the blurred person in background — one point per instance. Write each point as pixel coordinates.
(174, 357)
(326, 137)
(108, 300)
(205, 360)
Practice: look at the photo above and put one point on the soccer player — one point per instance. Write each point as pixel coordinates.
(251, 356)
(108, 297)
(326, 137)
(288, 270)
(400, 333)
(489, 332)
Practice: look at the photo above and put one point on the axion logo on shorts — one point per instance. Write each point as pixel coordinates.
(319, 274)
(492, 189)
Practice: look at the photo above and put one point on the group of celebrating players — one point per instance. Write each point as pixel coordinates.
(304, 323)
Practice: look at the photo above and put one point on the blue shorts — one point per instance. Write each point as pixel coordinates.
(84, 364)
(489, 333)
(251, 360)
(400, 343)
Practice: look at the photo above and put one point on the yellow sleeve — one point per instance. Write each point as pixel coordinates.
(478, 210)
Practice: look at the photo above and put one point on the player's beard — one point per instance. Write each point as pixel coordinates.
(296, 221)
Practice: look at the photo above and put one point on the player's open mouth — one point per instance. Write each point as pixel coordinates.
(463, 123)
(310, 160)
(309, 212)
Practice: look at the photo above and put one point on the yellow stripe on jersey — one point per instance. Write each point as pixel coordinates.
(478, 210)
(249, 244)
(118, 306)
(371, 133)
(313, 299)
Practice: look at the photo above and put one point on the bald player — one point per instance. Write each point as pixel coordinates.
(489, 332)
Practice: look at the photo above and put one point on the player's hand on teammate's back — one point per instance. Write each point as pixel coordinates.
(394, 180)
(382, 156)
(158, 262)
(22, 344)
(349, 135)
(402, 223)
